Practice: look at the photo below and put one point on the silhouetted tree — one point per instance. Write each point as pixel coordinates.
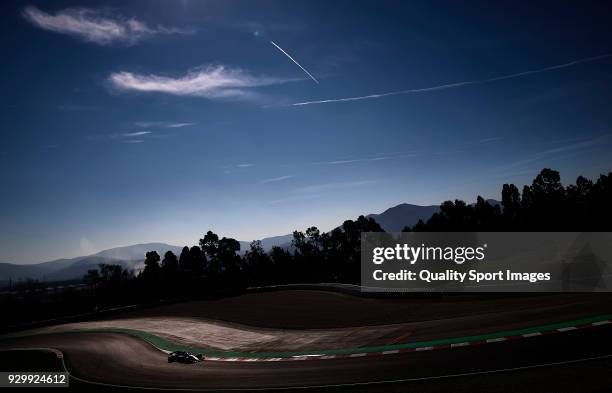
(210, 244)
(284, 266)
(511, 201)
(259, 266)
(545, 205)
(152, 268)
(196, 263)
(170, 266)
(184, 259)
(92, 279)
(224, 264)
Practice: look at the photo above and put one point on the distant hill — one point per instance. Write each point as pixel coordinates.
(493, 202)
(283, 241)
(38, 270)
(396, 218)
(137, 251)
(131, 257)
(80, 267)
(74, 268)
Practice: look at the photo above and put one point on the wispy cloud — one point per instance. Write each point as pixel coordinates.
(161, 124)
(276, 179)
(456, 84)
(295, 61)
(484, 141)
(137, 133)
(559, 151)
(122, 137)
(236, 168)
(371, 159)
(213, 82)
(96, 26)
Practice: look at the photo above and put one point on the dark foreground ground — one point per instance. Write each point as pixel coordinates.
(574, 361)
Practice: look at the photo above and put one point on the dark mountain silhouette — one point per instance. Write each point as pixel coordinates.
(396, 218)
(492, 202)
(404, 215)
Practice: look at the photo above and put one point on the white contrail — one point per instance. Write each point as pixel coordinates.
(293, 60)
(457, 84)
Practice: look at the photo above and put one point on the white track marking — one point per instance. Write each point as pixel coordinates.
(437, 377)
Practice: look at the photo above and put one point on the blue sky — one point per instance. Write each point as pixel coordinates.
(128, 122)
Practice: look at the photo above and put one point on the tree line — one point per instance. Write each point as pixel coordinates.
(216, 266)
(545, 205)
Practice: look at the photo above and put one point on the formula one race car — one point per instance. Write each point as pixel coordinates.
(184, 357)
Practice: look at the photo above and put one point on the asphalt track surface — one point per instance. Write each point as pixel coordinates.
(358, 322)
(573, 361)
(311, 309)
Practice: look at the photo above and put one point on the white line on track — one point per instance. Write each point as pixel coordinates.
(437, 377)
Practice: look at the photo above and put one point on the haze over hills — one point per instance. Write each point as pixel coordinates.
(393, 219)
(75, 268)
(137, 251)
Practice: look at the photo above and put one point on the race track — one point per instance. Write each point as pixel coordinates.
(571, 360)
(123, 360)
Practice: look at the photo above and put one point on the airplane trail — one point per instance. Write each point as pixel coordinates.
(456, 84)
(293, 60)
